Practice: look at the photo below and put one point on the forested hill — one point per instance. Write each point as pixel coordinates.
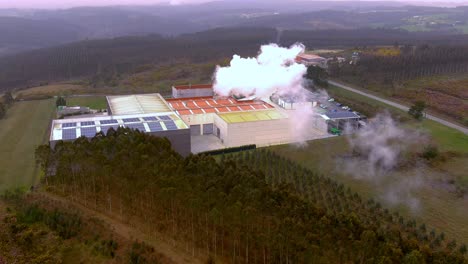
(253, 208)
(109, 59)
(114, 57)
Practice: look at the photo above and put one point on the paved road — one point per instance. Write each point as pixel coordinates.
(402, 107)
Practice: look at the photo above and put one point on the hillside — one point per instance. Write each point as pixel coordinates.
(106, 62)
(83, 23)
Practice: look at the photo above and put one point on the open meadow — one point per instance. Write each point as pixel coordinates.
(93, 102)
(25, 127)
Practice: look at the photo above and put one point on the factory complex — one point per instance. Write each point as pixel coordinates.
(195, 119)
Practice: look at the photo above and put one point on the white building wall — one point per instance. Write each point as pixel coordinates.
(261, 133)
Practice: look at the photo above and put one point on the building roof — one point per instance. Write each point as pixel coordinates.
(341, 115)
(70, 129)
(202, 105)
(193, 86)
(305, 56)
(137, 104)
(241, 117)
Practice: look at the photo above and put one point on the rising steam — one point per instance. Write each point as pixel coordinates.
(273, 70)
(379, 150)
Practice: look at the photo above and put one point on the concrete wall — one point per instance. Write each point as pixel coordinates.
(185, 93)
(261, 133)
(180, 140)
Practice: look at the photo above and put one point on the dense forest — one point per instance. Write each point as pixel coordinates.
(251, 207)
(108, 59)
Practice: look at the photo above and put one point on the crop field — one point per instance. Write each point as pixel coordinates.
(93, 102)
(24, 128)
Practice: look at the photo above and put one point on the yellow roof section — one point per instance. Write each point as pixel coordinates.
(240, 117)
(137, 104)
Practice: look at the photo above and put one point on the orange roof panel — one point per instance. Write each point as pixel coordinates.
(209, 110)
(222, 109)
(246, 107)
(197, 111)
(184, 112)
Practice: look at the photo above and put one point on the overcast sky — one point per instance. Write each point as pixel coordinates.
(72, 3)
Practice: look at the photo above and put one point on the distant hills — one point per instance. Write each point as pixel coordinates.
(22, 30)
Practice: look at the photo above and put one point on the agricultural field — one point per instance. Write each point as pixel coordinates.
(445, 95)
(25, 127)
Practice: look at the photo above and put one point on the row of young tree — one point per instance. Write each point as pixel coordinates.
(412, 62)
(253, 207)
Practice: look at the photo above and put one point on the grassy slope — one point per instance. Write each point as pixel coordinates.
(93, 102)
(24, 128)
(439, 208)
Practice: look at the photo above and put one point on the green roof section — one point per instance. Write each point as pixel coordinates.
(253, 116)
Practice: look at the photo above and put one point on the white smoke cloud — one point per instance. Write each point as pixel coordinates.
(381, 147)
(273, 70)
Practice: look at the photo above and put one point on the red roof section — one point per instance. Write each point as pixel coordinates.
(194, 86)
(201, 105)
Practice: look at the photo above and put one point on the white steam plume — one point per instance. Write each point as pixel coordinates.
(381, 148)
(273, 70)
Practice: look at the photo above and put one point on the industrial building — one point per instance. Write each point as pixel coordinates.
(147, 113)
(311, 60)
(196, 120)
(186, 91)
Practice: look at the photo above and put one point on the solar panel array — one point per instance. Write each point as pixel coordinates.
(87, 123)
(150, 118)
(138, 126)
(104, 129)
(155, 126)
(108, 122)
(89, 128)
(64, 125)
(131, 120)
(170, 125)
(166, 118)
(88, 132)
(68, 134)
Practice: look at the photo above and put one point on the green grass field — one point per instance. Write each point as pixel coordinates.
(93, 102)
(24, 128)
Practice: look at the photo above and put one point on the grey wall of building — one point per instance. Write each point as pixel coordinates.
(180, 140)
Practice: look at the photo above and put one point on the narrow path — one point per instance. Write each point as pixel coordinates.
(400, 106)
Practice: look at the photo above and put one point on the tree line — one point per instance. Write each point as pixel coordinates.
(251, 207)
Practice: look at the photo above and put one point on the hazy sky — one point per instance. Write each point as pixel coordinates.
(72, 3)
